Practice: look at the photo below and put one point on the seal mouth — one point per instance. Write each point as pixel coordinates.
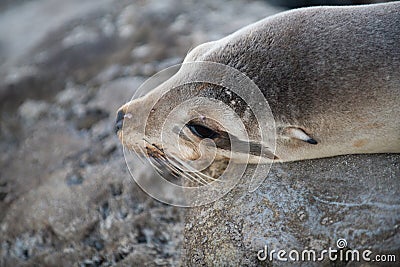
(169, 164)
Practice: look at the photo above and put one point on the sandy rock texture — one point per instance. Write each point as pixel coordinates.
(66, 197)
(302, 205)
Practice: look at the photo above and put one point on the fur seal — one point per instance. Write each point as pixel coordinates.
(331, 76)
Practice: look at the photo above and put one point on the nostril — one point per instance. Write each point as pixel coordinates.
(120, 120)
(120, 115)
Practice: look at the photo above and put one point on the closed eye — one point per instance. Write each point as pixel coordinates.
(202, 131)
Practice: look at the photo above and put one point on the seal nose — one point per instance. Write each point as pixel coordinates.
(120, 120)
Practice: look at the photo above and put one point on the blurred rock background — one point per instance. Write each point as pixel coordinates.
(66, 197)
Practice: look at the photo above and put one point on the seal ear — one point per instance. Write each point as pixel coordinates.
(300, 134)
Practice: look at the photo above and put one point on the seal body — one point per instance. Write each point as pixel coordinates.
(331, 76)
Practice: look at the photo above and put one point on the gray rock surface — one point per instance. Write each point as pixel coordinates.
(302, 205)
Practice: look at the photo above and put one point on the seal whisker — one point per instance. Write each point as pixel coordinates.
(194, 171)
(172, 166)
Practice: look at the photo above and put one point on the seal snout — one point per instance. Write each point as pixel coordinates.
(119, 121)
